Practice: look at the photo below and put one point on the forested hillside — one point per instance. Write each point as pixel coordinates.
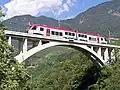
(64, 68)
(60, 68)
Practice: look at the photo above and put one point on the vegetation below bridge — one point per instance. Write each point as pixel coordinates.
(63, 68)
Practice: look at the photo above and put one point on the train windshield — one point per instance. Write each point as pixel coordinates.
(33, 28)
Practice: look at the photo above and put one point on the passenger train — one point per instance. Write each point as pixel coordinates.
(70, 35)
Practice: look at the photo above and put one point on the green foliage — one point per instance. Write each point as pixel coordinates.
(116, 43)
(110, 76)
(60, 72)
(71, 70)
(13, 76)
(1, 12)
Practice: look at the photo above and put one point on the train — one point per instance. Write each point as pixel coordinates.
(68, 34)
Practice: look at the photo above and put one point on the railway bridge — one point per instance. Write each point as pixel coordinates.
(29, 44)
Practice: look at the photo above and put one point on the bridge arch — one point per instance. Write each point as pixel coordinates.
(24, 55)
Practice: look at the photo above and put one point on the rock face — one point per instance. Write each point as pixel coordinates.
(100, 19)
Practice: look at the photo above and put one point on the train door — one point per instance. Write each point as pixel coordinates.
(48, 32)
(98, 40)
(76, 35)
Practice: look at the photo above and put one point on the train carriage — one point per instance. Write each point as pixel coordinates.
(70, 35)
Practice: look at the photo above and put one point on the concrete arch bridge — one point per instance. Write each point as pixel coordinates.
(102, 54)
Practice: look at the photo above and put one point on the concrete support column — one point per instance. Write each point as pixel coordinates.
(102, 53)
(112, 54)
(10, 40)
(92, 48)
(40, 42)
(106, 55)
(99, 51)
(25, 45)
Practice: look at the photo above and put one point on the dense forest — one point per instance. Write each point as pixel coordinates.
(63, 68)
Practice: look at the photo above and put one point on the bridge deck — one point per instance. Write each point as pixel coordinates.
(34, 36)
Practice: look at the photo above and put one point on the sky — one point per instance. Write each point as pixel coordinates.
(57, 9)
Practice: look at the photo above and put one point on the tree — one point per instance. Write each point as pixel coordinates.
(1, 12)
(13, 76)
(110, 75)
(63, 71)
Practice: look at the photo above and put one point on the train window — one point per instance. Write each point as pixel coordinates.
(85, 36)
(73, 34)
(53, 33)
(79, 35)
(89, 38)
(56, 33)
(66, 33)
(34, 28)
(70, 33)
(41, 29)
(60, 33)
(102, 39)
(92, 39)
(82, 35)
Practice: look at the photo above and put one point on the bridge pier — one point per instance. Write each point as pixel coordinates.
(25, 45)
(110, 54)
(10, 40)
(113, 55)
(40, 42)
(106, 55)
(92, 48)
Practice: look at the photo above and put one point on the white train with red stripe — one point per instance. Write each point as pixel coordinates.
(71, 35)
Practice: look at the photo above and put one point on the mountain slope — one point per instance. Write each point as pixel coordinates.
(20, 23)
(98, 19)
